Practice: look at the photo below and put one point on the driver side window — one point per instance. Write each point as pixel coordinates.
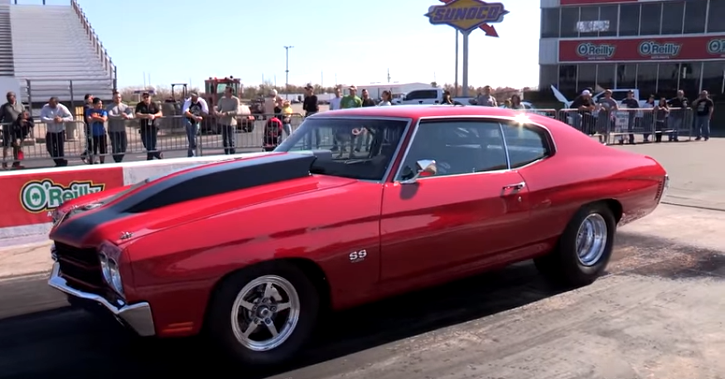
(457, 146)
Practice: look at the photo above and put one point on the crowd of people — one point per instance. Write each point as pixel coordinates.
(104, 124)
(666, 116)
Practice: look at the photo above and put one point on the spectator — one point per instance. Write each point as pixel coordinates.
(55, 115)
(485, 98)
(21, 127)
(387, 99)
(677, 116)
(648, 117)
(351, 100)
(272, 104)
(87, 104)
(631, 103)
(366, 100)
(226, 113)
(606, 119)
(147, 112)
(583, 119)
(447, 98)
(118, 113)
(662, 111)
(194, 110)
(9, 113)
(287, 118)
(516, 103)
(272, 131)
(336, 102)
(96, 118)
(704, 108)
(310, 105)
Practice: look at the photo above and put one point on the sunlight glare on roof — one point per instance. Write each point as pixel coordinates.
(521, 118)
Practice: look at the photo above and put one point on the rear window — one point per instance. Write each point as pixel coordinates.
(361, 148)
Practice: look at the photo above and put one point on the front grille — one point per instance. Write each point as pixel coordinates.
(80, 267)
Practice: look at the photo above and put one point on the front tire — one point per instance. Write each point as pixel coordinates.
(583, 250)
(263, 315)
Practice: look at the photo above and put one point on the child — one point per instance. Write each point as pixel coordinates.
(19, 131)
(97, 117)
(273, 129)
(287, 118)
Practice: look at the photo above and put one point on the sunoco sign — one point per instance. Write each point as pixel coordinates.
(659, 50)
(593, 51)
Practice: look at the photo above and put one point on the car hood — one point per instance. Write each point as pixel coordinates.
(187, 195)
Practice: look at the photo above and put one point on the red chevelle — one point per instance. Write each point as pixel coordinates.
(356, 205)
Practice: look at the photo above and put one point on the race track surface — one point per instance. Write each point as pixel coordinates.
(505, 324)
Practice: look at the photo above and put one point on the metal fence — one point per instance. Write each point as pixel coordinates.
(174, 133)
(626, 125)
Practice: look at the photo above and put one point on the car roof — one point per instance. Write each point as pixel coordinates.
(417, 111)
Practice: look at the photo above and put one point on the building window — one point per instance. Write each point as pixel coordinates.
(587, 76)
(550, 22)
(695, 16)
(569, 19)
(672, 16)
(605, 75)
(627, 76)
(650, 19)
(668, 79)
(567, 79)
(690, 78)
(629, 19)
(588, 25)
(712, 76)
(716, 12)
(608, 14)
(548, 76)
(647, 78)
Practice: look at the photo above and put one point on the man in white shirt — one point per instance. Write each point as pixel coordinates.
(335, 101)
(194, 109)
(55, 115)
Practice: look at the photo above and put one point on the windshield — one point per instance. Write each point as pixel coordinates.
(361, 148)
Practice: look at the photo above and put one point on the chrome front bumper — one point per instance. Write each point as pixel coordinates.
(137, 316)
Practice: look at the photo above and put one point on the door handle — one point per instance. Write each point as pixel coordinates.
(515, 187)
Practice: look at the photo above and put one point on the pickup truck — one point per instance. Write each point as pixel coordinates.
(617, 94)
(429, 96)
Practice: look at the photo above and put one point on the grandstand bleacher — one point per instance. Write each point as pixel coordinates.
(52, 50)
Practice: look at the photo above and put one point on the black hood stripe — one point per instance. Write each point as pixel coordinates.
(216, 179)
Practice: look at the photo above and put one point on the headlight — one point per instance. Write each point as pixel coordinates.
(109, 256)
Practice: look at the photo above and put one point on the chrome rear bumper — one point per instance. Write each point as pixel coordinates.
(136, 316)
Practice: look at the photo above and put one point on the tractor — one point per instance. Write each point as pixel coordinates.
(214, 89)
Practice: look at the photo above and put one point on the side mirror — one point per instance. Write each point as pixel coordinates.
(425, 167)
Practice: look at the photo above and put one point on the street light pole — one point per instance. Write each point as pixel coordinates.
(286, 71)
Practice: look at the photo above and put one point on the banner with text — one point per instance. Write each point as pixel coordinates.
(29, 197)
(643, 49)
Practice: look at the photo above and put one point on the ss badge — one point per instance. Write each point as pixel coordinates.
(358, 256)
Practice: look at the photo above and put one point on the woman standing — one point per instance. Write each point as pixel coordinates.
(661, 113)
(648, 117)
(447, 98)
(516, 102)
(387, 99)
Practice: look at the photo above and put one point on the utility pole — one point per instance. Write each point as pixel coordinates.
(388, 76)
(286, 71)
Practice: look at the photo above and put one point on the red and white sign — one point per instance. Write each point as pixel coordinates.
(31, 197)
(643, 49)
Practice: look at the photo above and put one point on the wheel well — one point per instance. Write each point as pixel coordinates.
(616, 208)
(311, 269)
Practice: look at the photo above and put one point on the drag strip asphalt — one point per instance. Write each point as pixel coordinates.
(646, 315)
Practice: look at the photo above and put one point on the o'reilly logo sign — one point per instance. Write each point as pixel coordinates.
(45, 195)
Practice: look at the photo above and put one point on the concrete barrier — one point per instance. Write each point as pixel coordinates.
(29, 196)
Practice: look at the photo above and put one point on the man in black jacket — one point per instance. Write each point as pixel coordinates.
(310, 104)
(677, 116)
(87, 104)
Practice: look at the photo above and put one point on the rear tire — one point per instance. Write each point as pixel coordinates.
(583, 250)
(278, 298)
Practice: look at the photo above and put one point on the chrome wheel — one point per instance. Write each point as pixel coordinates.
(591, 239)
(265, 313)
